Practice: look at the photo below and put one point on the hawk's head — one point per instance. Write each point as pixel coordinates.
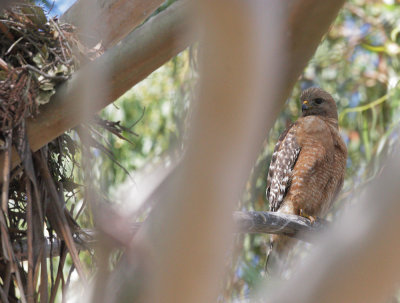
(318, 102)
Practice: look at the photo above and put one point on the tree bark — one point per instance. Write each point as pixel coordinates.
(6, 3)
(108, 21)
(123, 66)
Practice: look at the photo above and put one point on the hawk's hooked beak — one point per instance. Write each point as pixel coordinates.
(304, 106)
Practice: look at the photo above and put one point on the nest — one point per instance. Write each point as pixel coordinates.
(37, 201)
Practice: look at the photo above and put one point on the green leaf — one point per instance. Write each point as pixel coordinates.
(47, 86)
(35, 14)
(44, 96)
(39, 61)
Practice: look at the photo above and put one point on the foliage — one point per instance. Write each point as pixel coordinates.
(358, 62)
(157, 108)
(40, 194)
(36, 56)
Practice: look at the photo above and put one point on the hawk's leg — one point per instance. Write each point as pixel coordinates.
(307, 216)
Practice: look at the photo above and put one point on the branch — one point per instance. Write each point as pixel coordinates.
(109, 21)
(125, 65)
(6, 3)
(278, 223)
(247, 222)
(357, 259)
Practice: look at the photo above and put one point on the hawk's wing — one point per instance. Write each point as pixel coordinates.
(284, 158)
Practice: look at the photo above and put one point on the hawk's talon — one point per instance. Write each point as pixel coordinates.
(307, 216)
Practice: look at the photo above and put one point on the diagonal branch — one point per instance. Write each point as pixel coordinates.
(126, 64)
(109, 21)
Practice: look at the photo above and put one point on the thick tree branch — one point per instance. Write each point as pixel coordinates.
(247, 222)
(6, 3)
(109, 21)
(126, 64)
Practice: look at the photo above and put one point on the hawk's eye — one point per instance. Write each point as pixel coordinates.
(318, 100)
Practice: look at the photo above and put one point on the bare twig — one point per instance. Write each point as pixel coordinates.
(4, 65)
(13, 45)
(36, 70)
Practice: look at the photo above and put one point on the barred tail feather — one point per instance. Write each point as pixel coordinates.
(277, 257)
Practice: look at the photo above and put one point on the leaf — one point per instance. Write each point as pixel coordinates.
(47, 86)
(35, 14)
(45, 52)
(61, 69)
(39, 61)
(44, 96)
(3, 75)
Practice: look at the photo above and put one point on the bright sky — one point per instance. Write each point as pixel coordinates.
(60, 6)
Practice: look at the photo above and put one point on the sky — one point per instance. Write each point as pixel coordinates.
(63, 5)
(60, 6)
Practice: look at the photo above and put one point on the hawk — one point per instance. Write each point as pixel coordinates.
(307, 168)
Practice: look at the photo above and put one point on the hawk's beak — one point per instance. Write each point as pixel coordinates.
(304, 106)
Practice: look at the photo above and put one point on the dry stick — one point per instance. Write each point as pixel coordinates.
(63, 36)
(7, 246)
(44, 286)
(29, 220)
(12, 46)
(6, 171)
(5, 236)
(3, 296)
(64, 227)
(7, 280)
(4, 65)
(60, 274)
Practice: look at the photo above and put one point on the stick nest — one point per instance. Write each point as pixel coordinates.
(40, 197)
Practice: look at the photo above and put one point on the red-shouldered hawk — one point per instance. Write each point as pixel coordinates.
(307, 167)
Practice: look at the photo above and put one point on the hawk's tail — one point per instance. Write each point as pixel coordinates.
(277, 257)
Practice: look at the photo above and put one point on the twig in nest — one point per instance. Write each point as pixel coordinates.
(63, 36)
(4, 65)
(12, 45)
(36, 70)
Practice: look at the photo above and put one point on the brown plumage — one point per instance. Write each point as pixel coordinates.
(307, 167)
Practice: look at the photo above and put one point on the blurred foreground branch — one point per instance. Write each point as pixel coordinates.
(126, 64)
(246, 222)
(108, 21)
(5, 3)
(357, 258)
